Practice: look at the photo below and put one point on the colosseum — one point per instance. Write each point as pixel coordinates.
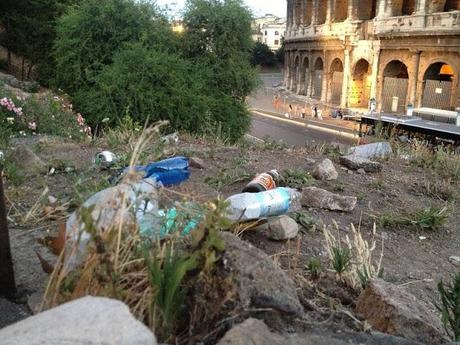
(344, 53)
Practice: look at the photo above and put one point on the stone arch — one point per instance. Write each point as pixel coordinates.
(304, 75)
(395, 86)
(360, 85)
(366, 10)
(438, 85)
(452, 5)
(408, 7)
(295, 73)
(317, 75)
(335, 82)
(321, 13)
(297, 12)
(340, 11)
(308, 12)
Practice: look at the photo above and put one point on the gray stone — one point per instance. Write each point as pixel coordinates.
(390, 309)
(454, 260)
(27, 162)
(256, 332)
(320, 198)
(89, 321)
(261, 284)
(372, 151)
(325, 171)
(283, 228)
(196, 162)
(310, 160)
(355, 162)
(10, 313)
(361, 171)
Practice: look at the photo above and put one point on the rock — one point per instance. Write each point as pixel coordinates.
(455, 260)
(256, 332)
(371, 151)
(355, 162)
(283, 228)
(392, 310)
(320, 198)
(361, 171)
(196, 162)
(89, 320)
(11, 313)
(310, 160)
(261, 284)
(27, 162)
(325, 171)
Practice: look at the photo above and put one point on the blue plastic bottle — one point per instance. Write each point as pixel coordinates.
(169, 172)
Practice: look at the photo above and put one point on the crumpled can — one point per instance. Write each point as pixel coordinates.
(105, 159)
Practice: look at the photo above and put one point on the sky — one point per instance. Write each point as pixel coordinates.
(259, 7)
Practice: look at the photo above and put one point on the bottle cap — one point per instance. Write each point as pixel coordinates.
(275, 173)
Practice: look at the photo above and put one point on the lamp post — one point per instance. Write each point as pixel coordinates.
(7, 283)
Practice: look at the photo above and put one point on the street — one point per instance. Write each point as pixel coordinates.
(291, 134)
(294, 134)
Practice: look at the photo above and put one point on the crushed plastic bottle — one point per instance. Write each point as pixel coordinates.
(262, 182)
(275, 202)
(168, 172)
(108, 207)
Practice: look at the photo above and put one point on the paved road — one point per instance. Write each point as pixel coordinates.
(291, 134)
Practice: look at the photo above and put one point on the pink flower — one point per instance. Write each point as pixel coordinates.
(32, 126)
(80, 120)
(87, 130)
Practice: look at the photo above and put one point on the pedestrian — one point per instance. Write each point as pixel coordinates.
(314, 112)
(277, 102)
(303, 112)
(290, 111)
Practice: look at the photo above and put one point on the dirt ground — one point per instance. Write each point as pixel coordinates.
(413, 258)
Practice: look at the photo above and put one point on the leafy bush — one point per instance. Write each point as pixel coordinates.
(262, 55)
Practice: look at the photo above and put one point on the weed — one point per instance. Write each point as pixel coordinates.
(341, 258)
(86, 184)
(295, 179)
(339, 187)
(306, 222)
(12, 173)
(450, 306)
(377, 184)
(314, 267)
(432, 218)
(442, 189)
(226, 178)
(273, 145)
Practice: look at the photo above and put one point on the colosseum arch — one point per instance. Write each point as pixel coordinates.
(340, 11)
(304, 76)
(403, 7)
(295, 74)
(297, 12)
(335, 81)
(395, 86)
(452, 5)
(366, 10)
(360, 86)
(438, 84)
(318, 78)
(321, 13)
(308, 12)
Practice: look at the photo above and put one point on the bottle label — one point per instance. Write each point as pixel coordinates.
(265, 180)
(274, 202)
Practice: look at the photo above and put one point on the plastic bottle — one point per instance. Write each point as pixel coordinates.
(262, 182)
(168, 172)
(275, 202)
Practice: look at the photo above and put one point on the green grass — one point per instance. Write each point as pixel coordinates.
(432, 218)
(450, 306)
(295, 178)
(341, 258)
(314, 267)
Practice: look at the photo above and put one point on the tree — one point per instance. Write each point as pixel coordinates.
(89, 36)
(262, 55)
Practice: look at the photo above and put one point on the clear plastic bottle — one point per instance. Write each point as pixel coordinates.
(262, 182)
(275, 202)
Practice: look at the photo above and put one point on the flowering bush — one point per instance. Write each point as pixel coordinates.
(45, 114)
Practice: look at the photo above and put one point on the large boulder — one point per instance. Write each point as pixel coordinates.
(261, 284)
(355, 162)
(27, 162)
(283, 228)
(256, 332)
(325, 171)
(319, 198)
(390, 309)
(89, 321)
(372, 151)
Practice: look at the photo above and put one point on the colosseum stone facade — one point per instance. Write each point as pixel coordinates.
(399, 52)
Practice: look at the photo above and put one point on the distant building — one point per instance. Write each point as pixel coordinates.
(270, 30)
(396, 52)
